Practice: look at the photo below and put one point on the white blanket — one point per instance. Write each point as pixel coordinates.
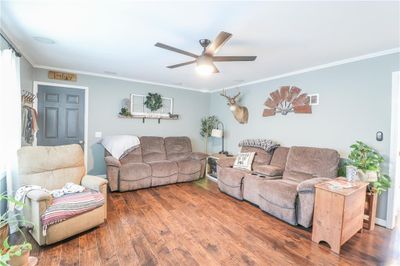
(117, 145)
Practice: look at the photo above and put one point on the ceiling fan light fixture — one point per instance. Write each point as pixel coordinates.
(204, 66)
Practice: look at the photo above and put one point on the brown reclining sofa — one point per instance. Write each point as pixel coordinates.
(281, 183)
(158, 161)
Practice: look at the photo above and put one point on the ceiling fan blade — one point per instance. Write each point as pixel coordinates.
(213, 47)
(215, 69)
(233, 58)
(176, 50)
(182, 64)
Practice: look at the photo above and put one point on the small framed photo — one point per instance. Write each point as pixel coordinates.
(314, 99)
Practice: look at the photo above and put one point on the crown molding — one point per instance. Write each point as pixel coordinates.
(314, 68)
(120, 78)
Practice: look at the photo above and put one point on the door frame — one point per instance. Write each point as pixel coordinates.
(67, 86)
(394, 162)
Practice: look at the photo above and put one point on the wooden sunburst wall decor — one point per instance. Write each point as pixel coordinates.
(287, 99)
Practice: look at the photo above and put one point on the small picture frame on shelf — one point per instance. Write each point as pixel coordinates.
(313, 99)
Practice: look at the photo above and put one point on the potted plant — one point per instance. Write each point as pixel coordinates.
(368, 162)
(208, 123)
(15, 254)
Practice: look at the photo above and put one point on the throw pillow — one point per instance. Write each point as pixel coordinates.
(244, 160)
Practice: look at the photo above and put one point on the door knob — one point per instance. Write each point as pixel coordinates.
(81, 142)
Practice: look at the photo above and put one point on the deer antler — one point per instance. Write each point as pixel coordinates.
(224, 94)
(237, 95)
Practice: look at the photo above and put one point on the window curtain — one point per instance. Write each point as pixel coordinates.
(10, 116)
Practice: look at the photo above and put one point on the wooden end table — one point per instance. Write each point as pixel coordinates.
(338, 213)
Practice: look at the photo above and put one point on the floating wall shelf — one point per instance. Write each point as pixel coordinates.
(151, 116)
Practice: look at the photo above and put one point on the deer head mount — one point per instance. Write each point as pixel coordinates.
(287, 99)
(240, 113)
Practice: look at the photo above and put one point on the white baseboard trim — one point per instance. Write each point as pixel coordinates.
(380, 222)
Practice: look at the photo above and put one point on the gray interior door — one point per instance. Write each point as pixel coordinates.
(61, 116)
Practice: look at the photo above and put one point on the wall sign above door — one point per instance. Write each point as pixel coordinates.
(62, 75)
(285, 100)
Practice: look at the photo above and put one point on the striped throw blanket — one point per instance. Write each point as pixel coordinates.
(265, 144)
(71, 205)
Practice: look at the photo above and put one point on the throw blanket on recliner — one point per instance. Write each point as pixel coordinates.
(265, 144)
(71, 205)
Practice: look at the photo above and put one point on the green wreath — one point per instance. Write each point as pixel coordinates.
(153, 101)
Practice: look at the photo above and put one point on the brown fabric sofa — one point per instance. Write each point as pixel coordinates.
(292, 197)
(281, 183)
(265, 166)
(52, 168)
(158, 161)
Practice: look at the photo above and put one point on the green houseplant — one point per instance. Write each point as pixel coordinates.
(368, 163)
(12, 254)
(208, 123)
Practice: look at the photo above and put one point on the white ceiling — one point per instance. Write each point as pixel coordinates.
(119, 36)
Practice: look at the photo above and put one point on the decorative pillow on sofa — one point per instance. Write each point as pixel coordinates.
(244, 160)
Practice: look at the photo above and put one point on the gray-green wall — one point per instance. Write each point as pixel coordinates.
(105, 97)
(355, 103)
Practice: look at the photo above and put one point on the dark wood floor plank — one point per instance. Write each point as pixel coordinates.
(195, 224)
(88, 251)
(70, 247)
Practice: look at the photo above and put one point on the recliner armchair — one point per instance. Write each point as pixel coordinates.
(51, 168)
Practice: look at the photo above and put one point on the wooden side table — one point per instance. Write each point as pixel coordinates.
(338, 213)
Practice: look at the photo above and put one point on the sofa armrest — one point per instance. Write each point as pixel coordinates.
(309, 184)
(198, 156)
(93, 182)
(38, 195)
(111, 161)
(226, 162)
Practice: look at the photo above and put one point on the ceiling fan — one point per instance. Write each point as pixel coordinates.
(205, 61)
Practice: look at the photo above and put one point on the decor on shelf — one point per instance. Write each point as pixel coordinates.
(125, 112)
(153, 101)
(208, 123)
(240, 113)
(151, 106)
(285, 100)
(219, 133)
(368, 162)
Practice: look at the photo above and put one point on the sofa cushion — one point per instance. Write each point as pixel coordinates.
(315, 162)
(153, 149)
(296, 176)
(269, 170)
(230, 181)
(134, 171)
(178, 148)
(163, 168)
(189, 166)
(261, 156)
(280, 192)
(279, 157)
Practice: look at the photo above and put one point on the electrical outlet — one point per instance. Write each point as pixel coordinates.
(98, 134)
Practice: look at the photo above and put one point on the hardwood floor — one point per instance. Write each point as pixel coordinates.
(195, 224)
